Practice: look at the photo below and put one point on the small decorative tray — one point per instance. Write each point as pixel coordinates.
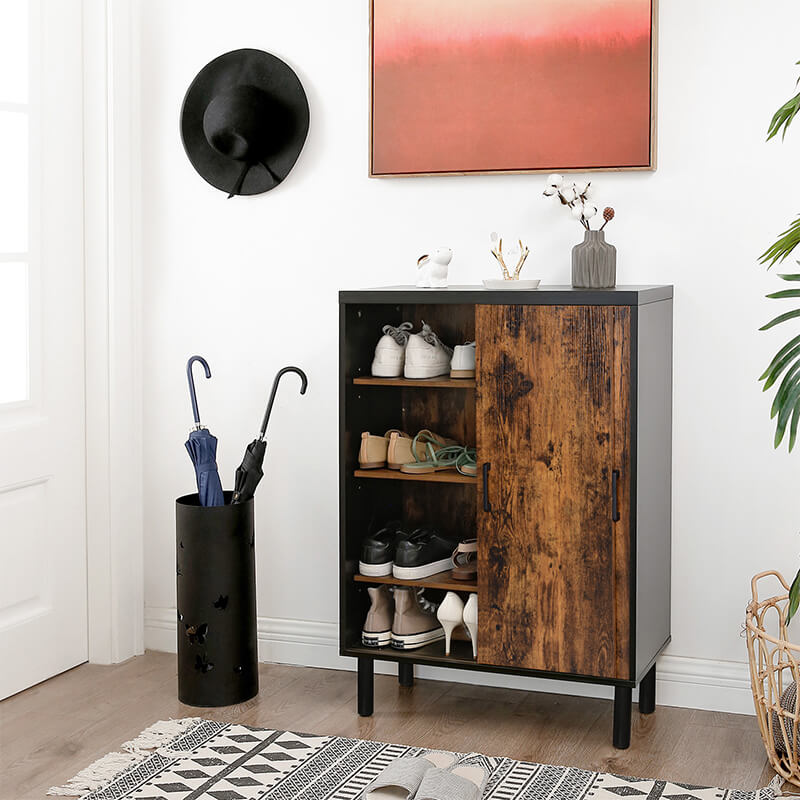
(514, 286)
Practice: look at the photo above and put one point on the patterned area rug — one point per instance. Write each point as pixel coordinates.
(201, 760)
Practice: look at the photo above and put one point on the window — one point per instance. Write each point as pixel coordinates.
(14, 202)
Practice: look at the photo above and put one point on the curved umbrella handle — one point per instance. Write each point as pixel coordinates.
(192, 393)
(303, 387)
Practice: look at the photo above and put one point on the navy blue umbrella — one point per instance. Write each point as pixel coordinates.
(202, 448)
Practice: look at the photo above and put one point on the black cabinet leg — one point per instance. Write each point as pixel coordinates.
(622, 717)
(405, 673)
(366, 686)
(647, 692)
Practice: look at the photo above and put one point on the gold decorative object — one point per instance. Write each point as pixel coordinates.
(498, 254)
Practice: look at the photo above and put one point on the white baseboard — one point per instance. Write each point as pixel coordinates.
(682, 681)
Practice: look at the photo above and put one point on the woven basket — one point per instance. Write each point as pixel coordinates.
(774, 676)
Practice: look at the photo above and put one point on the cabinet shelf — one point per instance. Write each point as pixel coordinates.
(450, 476)
(442, 580)
(442, 382)
(460, 654)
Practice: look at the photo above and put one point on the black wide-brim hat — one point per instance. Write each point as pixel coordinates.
(244, 121)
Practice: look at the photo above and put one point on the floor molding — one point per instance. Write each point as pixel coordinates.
(682, 681)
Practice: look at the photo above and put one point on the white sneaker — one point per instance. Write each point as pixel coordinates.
(426, 356)
(390, 352)
(463, 363)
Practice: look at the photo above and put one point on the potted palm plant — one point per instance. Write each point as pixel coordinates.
(774, 660)
(786, 363)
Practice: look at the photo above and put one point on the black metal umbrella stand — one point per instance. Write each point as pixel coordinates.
(216, 579)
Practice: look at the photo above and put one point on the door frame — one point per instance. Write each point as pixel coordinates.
(113, 328)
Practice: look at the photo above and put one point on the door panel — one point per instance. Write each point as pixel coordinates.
(42, 410)
(553, 423)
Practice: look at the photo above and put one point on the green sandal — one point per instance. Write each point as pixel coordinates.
(463, 459)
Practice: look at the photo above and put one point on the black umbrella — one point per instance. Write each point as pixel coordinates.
(249, 473)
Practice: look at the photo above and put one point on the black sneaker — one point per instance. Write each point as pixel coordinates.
(424, 553)
(377, 551)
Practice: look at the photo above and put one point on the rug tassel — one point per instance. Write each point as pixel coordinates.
(776, 787)
(106, 769)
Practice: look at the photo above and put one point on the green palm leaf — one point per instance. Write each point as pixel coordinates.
(781, 250)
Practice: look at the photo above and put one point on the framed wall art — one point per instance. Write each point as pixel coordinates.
(487, 86)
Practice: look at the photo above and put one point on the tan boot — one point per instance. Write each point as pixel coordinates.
(412, 627)
(377, 631)
(373, 451)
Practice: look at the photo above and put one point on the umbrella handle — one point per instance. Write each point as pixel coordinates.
(303, 387)
(192, 392)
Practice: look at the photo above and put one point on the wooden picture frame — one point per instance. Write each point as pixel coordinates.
(649, 166)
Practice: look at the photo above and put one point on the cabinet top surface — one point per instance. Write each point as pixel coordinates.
(544, 295)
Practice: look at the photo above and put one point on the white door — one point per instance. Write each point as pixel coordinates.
(43, 627)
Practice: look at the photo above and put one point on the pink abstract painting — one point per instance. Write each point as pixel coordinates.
(504, 85)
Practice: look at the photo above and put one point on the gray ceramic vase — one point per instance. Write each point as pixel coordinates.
(594, 262)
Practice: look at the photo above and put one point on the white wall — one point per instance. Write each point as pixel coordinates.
(263, 273)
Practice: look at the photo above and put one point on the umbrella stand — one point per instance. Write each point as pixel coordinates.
(216, 593)
(250, 471)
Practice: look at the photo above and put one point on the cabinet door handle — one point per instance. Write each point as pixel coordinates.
(614, 501)
(487, 506)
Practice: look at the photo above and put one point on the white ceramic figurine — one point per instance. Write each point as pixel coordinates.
(433, 269)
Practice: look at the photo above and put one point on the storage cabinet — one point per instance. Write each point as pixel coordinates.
(570, 411)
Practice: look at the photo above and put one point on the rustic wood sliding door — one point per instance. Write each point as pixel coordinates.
(553, 426)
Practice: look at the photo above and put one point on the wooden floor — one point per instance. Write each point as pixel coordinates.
(53, 730)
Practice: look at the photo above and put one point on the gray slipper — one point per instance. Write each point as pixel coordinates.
(461, 782)
(400, 779)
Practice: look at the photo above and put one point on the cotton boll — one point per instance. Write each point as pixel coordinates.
(588, 191)
(555, 180)
(550, 191)
(568, 194)
(589, 212)
(580, 187)
(577, 211)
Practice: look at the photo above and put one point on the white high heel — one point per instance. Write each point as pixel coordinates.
(470, 617)
(450, 615)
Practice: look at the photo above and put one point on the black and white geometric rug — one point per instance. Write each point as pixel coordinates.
(202, 760)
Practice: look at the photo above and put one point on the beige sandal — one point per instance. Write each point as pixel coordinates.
(465, 558)
(374, 449)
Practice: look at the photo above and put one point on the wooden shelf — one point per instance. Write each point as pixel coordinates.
(460, 653)
(442, 382)
(449, 476)
(442, 580)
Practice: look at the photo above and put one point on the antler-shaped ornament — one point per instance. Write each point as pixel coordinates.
(523, 254)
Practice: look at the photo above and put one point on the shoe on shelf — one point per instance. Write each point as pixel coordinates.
(450, 615)
(463, 362)
(412, 626)
(471, 621)
(424, 553)
(377, 551)
(465, 560)
(426, 355)
(390, 352)
(404, 450)
(454, 456)
(374, 449)
(377, 630)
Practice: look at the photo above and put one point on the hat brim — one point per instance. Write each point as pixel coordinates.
(237, 68)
